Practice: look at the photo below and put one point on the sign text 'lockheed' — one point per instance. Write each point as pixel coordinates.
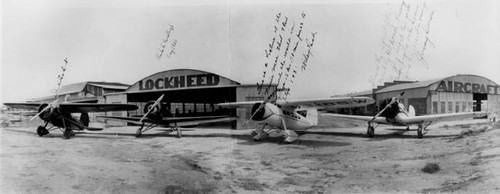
(179, 82)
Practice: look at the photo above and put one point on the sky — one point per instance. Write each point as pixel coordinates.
(118, 41)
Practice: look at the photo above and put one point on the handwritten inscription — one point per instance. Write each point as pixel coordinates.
(60, 77)
(167, 46)
(287, 53)
(404, 42)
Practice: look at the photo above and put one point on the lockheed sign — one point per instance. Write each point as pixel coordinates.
(183, 81)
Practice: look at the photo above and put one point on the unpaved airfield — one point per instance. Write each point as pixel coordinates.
(323, 160)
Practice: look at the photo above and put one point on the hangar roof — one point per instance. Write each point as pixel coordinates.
(78, 87)
(427, 83)
(419, 84)
(180, 79)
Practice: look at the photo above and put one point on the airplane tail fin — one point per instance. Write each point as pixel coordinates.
(411, 111)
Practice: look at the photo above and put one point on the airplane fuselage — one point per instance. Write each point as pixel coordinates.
(60, 118)
(275, 116)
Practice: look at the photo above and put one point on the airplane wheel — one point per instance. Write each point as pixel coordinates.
(138, 133)
(420, 134)
(41, 131)
(370, 131)
(66, 134)
(179, 133)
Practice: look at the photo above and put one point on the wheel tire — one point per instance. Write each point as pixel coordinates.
(45, 131)
(67, 134)
(138, 133)
(179, 133)
(41, 131)
(370, 132)
(420, 133)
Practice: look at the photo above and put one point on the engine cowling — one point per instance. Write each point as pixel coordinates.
(46, 114)
(262, 112)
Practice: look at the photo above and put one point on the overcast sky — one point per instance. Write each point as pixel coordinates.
(111, 40)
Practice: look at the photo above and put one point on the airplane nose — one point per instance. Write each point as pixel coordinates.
(258, 111)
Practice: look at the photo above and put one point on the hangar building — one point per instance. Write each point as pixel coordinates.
(89, 92)
(458, 93)
(188, 92)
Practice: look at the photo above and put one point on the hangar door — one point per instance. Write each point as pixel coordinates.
(187, 102)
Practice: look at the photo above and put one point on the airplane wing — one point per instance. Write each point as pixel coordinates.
(337, 102)
(78, 107)
(134, 120)
(410, 120)
(381, 120)
(95, 107)
(244, 104)
(442, 117)
(27, 106)
(204, 122)
(181, 121)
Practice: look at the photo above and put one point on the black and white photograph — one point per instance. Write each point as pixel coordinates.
(241, 96)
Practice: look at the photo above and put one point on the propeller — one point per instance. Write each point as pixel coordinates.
(395, 99)
(52, 104)
(150, 109)
(262, 105)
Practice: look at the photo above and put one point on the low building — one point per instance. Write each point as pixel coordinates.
(458, 93)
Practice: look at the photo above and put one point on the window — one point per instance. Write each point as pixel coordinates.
(457, 106)
(434, 107)
(450, 107)
(208, 108)
(200, 107)
(176, 108)
(302, 112)
(443, 107)
(189, 108)
(464, 107)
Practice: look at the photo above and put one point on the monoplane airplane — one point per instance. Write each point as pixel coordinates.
(59, 115)
(157, 116)
(395, 113)
(292, 115)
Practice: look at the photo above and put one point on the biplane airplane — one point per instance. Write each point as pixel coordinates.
(395, 113)
(291, 115)
(155, 115)
(59, 115)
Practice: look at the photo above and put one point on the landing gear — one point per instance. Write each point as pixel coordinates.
(41, 131)
(179, 131)
(289, 135)
(420, 133)
(138, 133)
(67, 133)
(143, 129)
(259, 134)
(371, 130)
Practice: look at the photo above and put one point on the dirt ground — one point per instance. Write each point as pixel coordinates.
(463, 157)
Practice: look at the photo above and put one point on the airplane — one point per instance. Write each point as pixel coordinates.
(291, 115)
(395, 113)
(157, 116)
(59, 115)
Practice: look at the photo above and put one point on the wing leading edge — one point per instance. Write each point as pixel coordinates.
(338, 102)
(78, 107)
